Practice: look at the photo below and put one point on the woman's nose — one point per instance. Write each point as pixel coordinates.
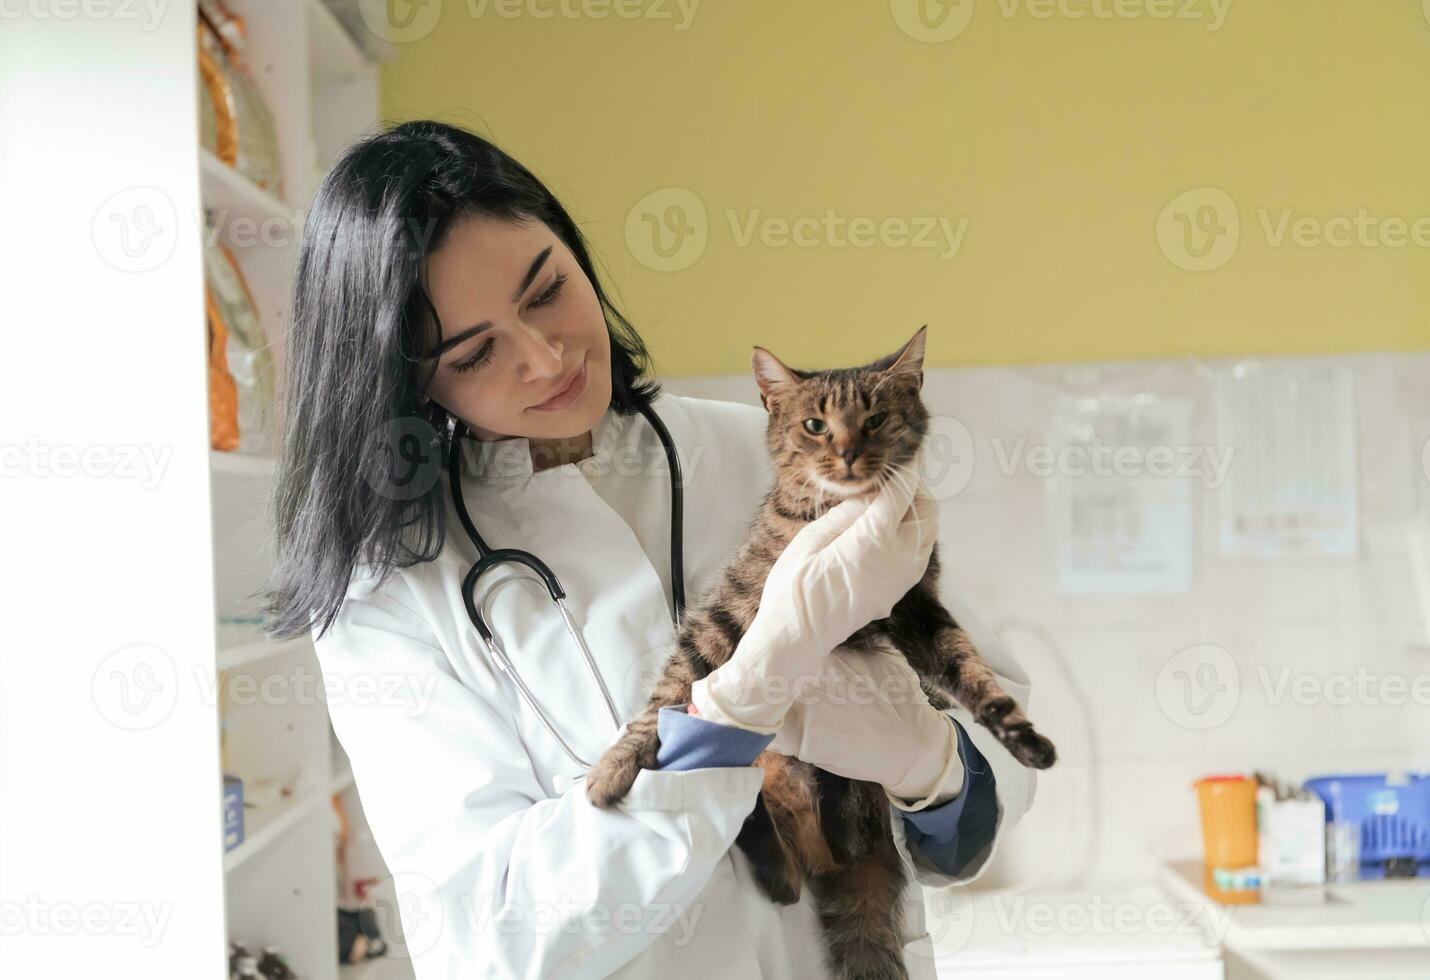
(541, 356)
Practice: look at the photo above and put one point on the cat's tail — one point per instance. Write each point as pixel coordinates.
(861, 914)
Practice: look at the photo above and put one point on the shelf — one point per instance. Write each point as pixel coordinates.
(241, 464)
(224, 189)
(318, 71)
(341, 780)
(333, 53)
(284, 819)
(241, 644)
(378, 968)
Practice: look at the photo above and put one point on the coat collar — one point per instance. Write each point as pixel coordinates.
(503, 461)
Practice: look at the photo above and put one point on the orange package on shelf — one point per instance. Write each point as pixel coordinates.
(223, 393)
(245, 130)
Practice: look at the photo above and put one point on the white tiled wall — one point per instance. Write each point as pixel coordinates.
(1120, 799)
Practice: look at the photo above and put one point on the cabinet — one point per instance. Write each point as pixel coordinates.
(281, 881)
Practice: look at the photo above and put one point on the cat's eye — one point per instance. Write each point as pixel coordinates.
(815, 427)
(875, 420)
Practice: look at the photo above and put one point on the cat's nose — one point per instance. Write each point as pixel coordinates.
(849, 456)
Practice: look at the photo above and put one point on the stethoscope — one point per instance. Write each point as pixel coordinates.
(488, 558)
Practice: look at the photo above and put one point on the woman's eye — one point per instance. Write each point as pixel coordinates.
(551, 292)
(548, 296)
(875, 420)
(476, 360)
(815, 427)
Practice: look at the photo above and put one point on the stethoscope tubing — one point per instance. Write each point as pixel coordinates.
(488, 558)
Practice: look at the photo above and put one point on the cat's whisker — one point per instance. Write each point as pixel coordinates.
(899, 474)
(819, 495)
(810, 482)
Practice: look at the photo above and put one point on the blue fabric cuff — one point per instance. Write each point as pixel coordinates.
(690, 742)
(952, 834)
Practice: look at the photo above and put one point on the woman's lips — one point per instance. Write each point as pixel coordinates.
(566, 395)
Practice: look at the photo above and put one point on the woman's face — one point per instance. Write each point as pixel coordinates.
(519, 319)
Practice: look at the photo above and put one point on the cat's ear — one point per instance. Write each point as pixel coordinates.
(908, 360)
(771, 375)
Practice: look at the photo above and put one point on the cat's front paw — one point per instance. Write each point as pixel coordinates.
(1006, 721)
(1031, 749)
(611, 778)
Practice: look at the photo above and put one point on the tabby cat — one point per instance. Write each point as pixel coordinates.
(830, 434)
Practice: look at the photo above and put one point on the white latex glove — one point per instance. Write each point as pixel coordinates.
(870, 720)
(840, 572)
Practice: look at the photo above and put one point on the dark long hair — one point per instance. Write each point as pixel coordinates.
(353, 382)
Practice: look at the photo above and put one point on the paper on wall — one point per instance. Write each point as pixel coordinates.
(1292, 487)
(1122, 492)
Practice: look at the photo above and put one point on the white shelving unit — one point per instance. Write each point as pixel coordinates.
(281, 881)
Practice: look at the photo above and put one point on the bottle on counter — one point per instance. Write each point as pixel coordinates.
(1343, 851)
(1291, 846)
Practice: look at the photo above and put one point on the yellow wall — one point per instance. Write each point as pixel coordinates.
(1061, 140)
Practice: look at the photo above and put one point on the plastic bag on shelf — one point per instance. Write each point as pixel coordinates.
(246, 351)
(223, 394)
(216, 128)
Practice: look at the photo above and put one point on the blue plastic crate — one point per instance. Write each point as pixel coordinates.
(1394, 817)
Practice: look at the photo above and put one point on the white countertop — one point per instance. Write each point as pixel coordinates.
(1391, 914)
(1109, 932)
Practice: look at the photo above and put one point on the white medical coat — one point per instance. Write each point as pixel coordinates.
(501, 865)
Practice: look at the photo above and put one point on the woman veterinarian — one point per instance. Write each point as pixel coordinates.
(443, 294)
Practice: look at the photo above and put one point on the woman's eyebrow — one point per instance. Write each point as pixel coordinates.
(531, 273)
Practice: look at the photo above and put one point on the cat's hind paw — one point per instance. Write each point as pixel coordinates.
(780, 881)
